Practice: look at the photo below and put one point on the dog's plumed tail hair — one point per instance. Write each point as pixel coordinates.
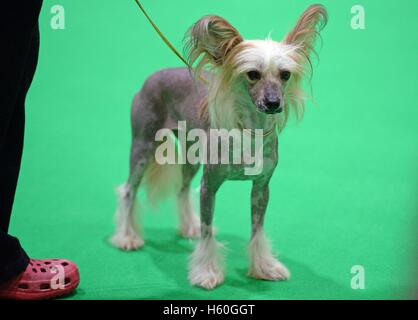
(162, 181)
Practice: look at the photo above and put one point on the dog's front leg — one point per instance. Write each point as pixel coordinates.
(205, 268)
(263, 264)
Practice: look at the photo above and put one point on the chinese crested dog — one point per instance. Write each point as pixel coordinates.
(245, 85)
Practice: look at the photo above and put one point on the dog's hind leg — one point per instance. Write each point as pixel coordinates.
(189, 224)
(263, 264)
(127, 235)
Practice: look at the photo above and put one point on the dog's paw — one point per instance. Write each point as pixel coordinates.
(127, 242)
(191, 228)
(207, 279)
(269, 269)
(191, 232)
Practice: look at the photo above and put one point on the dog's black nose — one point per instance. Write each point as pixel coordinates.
(272, 104)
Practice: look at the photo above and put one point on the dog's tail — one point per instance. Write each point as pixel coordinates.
(163, 180)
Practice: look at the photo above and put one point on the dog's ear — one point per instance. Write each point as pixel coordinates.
(307, 29)
(211, 38)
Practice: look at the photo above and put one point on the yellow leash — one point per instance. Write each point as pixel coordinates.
(166, 41)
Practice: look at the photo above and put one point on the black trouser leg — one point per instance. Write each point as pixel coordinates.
(20, 44)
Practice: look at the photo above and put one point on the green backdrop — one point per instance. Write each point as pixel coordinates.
(344, 193)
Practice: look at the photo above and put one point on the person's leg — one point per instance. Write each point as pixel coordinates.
(20, 44)
(21, 277)
(11, 145)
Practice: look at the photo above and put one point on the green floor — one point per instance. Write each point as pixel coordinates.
(344, 194)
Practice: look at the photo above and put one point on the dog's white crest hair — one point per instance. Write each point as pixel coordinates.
(213, 43)
(269, 56)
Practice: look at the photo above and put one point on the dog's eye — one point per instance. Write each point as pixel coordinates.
(285, 75)
(254, 75)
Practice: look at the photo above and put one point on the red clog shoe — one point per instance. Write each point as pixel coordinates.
(42, 279)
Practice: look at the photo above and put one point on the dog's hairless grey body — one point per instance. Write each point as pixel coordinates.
(173, 95)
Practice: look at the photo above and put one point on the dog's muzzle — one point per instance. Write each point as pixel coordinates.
(271, 106)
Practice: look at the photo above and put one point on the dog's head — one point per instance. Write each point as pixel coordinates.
(269, 71)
